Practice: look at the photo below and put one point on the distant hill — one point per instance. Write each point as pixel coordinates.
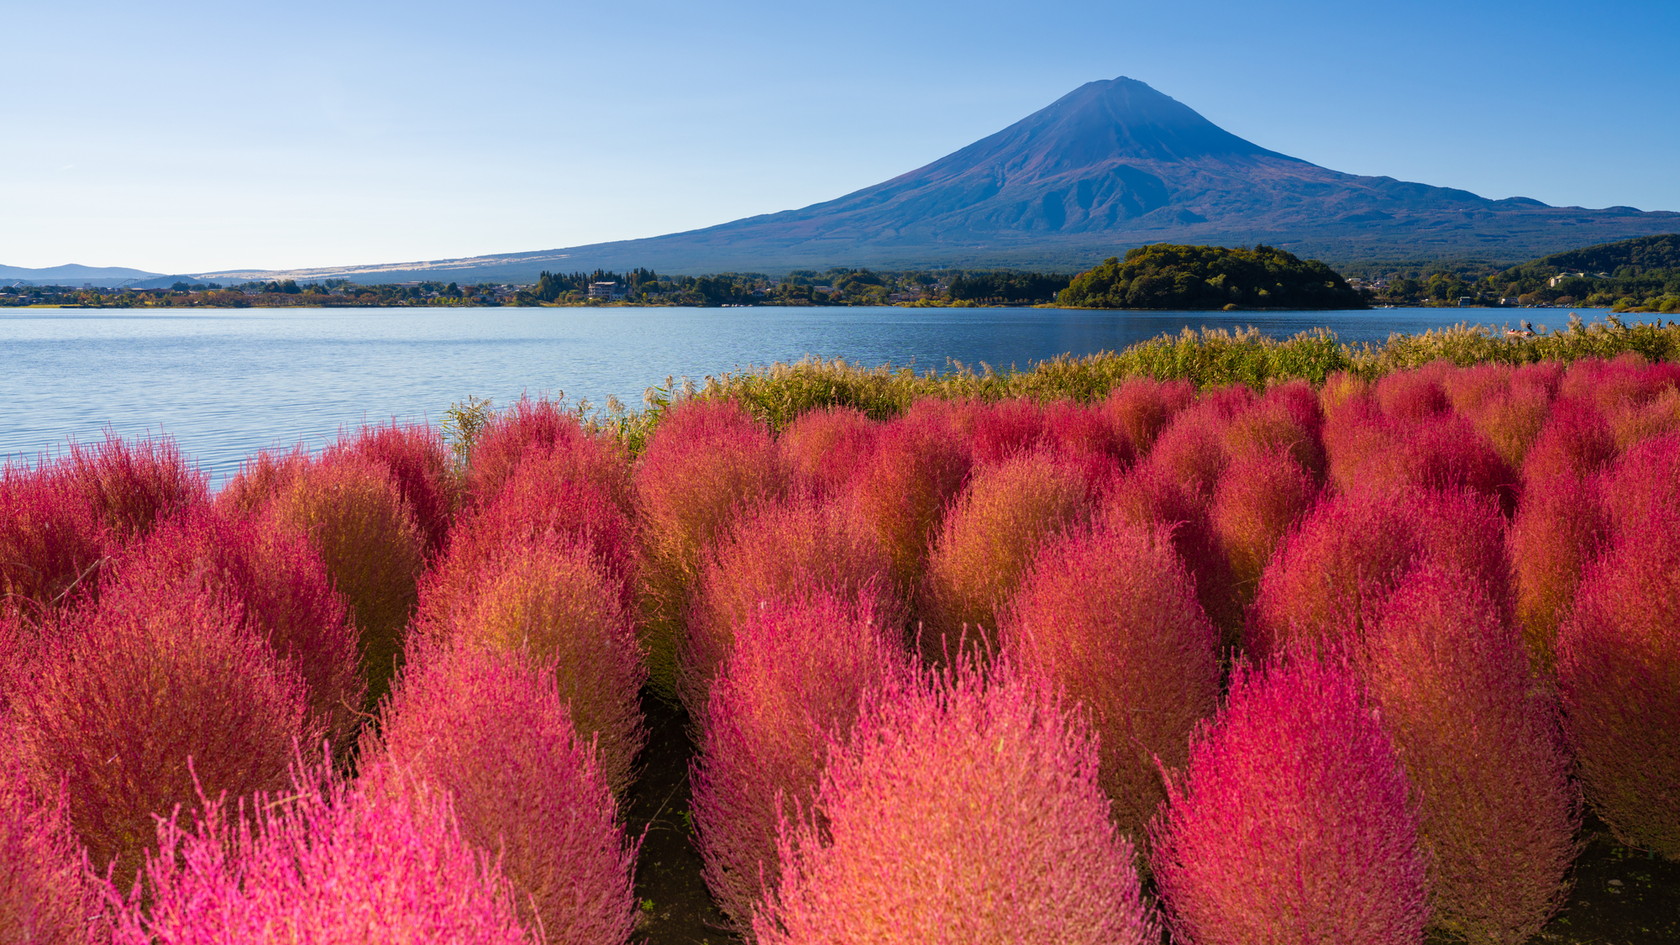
(74, 275)
(1643, 253)
(1111, 165)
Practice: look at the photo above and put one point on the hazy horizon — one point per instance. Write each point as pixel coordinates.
(191, 137)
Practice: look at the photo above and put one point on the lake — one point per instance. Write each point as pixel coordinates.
(226, 383)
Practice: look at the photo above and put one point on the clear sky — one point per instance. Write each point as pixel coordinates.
(189, 135)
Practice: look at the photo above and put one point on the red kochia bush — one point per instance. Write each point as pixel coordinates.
(989, 539)
(1498, 811)
(1557, 532)
(920, 463)
(1291, 823)
(1352, 550)
(1643, 482)
(1507, 406)
(492, 731)
(1147, 497)
(539, 427)
(45, 895)
(353, 513)
(418, 462)
(1141, 408)
(1415, 394)
(552, 604)
(148, 701)
(825, 448)
(1371, 451)
(283, 590)
(1016, 848)
(784, 551)
(1258, 499)
(1576, 442)
(260, 479)
(1618, 667)
(791, 683)
(1111, 617)
(51, 542)
(321, 865)
(130, 486)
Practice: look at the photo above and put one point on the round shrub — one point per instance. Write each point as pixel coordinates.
(1141, 407)
(1498, 812)
(1258, 499)
(131, 486)
(1110, 616)
(492, 732)
(1558, 530)
(1291, 822)
(260, 479)
(152, 701)
(418, 462)
(45, 894)
(542, 427)
(552, 604)
(826, 448)
(1576, 442)
(1644, 482)
(1147, 497)
(988, 541)
(919, 465)
(1618, 677)
(51, 542)
(792, 682)
(1020, 848)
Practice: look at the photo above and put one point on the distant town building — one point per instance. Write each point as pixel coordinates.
(608, 291)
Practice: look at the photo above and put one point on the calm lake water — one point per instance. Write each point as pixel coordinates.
(227, 382)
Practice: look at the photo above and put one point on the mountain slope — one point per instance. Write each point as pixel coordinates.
(75, 275)
(1110, 165)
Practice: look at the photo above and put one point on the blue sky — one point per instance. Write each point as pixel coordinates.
(185, 136)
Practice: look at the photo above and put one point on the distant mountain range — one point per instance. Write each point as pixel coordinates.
(1111, 165)
(102, 276)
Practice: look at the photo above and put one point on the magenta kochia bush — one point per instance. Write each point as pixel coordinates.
(553, 604)
(1618, 666)
(1644, 482)
(492, 731)
(131, 486)
(418, 463)
(283, 591)
(1351, 552)
(1576, 442)
(791, 683)
(320, 865)
(542, 427)
(1111, 617)
(45, 894)
(1371, 451)
(963, 809)
(1498, 811)
(1291, 823)
(784, 551)
(989, 540)
(51, 542)
(1147, 497)
(825, 448)
(146, 702)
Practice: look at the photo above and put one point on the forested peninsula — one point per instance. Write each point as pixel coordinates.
(1172, 276)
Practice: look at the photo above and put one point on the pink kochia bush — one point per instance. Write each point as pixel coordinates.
(51, 542)
(552, 604)
(964, 809)
(149, 700)
(1483, 753)
(1618, 677)
(492, 732)
(418, 462)
(320, 864)
(45, 894)
(131, 486)
(789, 550)
(791, 683)
(1141, 407)
(1258, 498)
(1111, 617)
(825, 448)
(919, 465)
(1561, 527)
(542, 428)
(989, 540)
(1148, 497)
(1291, 823)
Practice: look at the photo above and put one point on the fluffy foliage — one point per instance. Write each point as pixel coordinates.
(1576, 442)
(1498, 812)
(825, 448)
(1371, 451)
(260, 479)
(989, 540)
(552, 604)
(1508, 407)
(322, 866)
(283, 592)
(1147, 497)
(131, 486)
(1111, 617)
(1557, 532)
(45, 895)
(1257, 500)
(1141, 407)
(492, 731)
(353, 513)
(418, 462)
(1644, 482)
(51, 542)
(1291, 823)
(1618, 668)
(792, 682)
(1352, 551)
(919, 466)
(543, 428)
(783, 551)
(1018, 849)
(146, 702)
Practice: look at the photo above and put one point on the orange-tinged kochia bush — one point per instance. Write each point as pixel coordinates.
(1111, 617)
(1497, 810)
(1370, 451)
(790, 550)
(352, 511)
(989, 540)
(146, 702)
(552, 604)
(492, 731)
(1559, 529)
(1258, 499)
(1618, 668)
(791, 684)
(1141, 407)
(260, 479)
(45, 895)
(418, 462)
(1018, 848)
(1575, 442)
(131, 486)
(1291, 823)
(1147, 497)
(920, 464)
(825, 448)
(543, 428)
(319, 864)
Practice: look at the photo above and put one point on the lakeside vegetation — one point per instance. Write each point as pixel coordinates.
(1204, 278)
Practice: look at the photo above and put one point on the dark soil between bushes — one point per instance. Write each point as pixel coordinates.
(1621, 896)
